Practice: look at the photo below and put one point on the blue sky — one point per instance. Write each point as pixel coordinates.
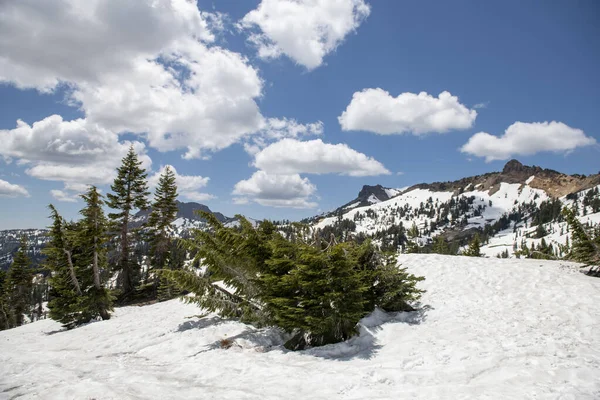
(289, 107)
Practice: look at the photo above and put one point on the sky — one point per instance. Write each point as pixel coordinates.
(284, 109)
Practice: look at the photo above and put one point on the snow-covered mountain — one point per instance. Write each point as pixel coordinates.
(507, 207)
(487, 329)
(186, 220)
(9, 244)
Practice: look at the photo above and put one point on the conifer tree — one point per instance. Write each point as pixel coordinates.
(474, 249)
(4, 310)
(316, 290)
(440, 246)
(18, 285)
(76, 254)
(65, 289)
(160, 226)
(91, 239)
(130, 191)
(585, 244)
(164, 213)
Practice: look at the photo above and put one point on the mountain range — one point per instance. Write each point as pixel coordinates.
(508, 206)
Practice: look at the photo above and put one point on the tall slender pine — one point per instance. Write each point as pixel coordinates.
(130, 191)
(160, 226)
(18, 285)
(92, 240)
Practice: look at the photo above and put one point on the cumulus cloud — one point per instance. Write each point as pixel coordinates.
(61, 195)
(75, 152)
(188, 186)
(290, 156)
(278, 182)
(8, 189)
(280, 128)
(157, 74)
(522, 138)
(276, 190)
(304, 30)
(375, 110)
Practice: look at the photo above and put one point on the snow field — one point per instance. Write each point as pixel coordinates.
(488, 329)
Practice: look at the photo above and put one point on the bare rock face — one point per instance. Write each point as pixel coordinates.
(514, 166)
(377, 191)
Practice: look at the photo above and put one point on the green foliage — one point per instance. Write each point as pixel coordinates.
(16, 289)
(163, 249)
(440, 246)
(316, 290)
(474, 249)
(130, 192)
(585, 244)
(76, 255)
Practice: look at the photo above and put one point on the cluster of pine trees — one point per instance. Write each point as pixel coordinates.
(95, 261)
(315, 289)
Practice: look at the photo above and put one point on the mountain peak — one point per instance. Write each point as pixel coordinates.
(513, 166)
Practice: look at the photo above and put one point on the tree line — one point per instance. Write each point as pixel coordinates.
(95, 262)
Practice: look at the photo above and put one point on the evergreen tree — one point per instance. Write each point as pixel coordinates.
(585, 244)
(314, 289)
(130, 191)
(474, 249)
(440, 246)
(17, 286)
(65, 289)
(76, 254)
(160, 227)
(91, 239)
(5, 315)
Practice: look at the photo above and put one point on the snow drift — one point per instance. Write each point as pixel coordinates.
(487, 329)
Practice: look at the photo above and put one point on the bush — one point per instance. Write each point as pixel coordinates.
(315, 290)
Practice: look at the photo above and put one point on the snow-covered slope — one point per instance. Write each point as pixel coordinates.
(488, 329)
(500, 205)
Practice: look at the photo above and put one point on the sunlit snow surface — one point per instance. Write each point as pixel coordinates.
(489, 329)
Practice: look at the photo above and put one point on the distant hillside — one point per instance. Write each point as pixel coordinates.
(9, 239)
(510, 204)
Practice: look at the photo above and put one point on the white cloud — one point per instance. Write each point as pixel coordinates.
(61, 195)
(12, 190)
(281, 128)
(141, 66)
(523, 138)
(375, 110)
(481, 105)
(304, 30)
(75, 152)
(290, 156)
(188, 186)
(276, 190)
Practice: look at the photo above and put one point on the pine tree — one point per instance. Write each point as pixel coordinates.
(314, 289)
(130, 191)
(92, 239)
(585, 244)
(65, 289)
(160, 226)
(18, 285)
(76, 255)
(440, 246)
(5, 315)
(474, 249)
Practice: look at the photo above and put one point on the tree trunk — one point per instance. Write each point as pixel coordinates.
(127, 278)
(72, 272)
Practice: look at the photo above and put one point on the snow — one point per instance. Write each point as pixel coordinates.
(394, 192)
(373, 199)
(352, 205)
(487, 329)
(530, 179)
